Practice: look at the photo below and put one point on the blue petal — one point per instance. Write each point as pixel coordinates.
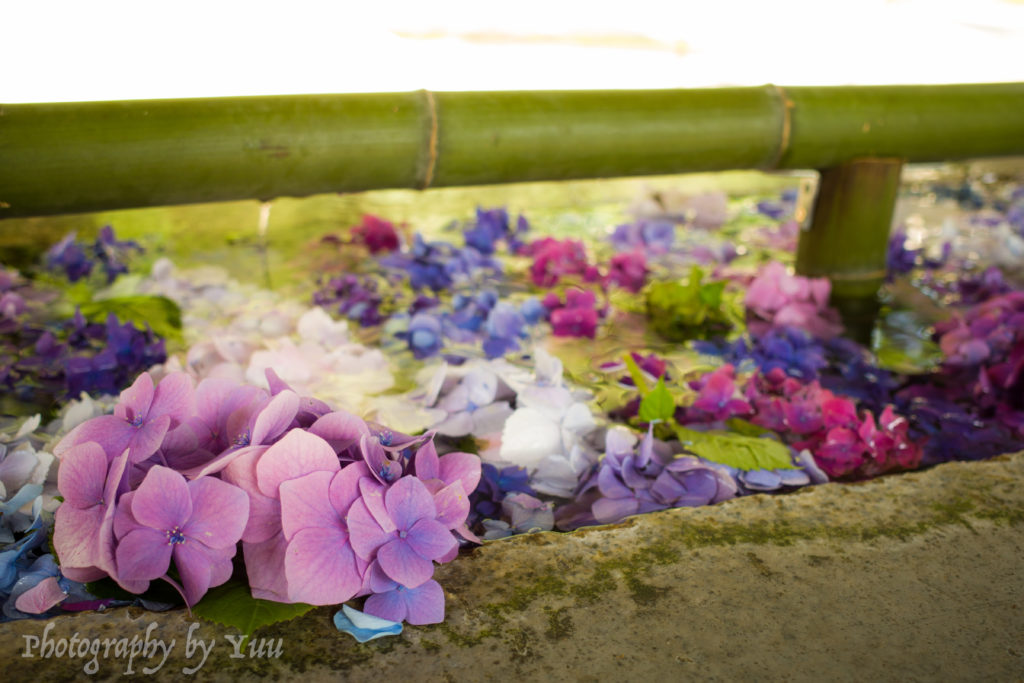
(364, 627)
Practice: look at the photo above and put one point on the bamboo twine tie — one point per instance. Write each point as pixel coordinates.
(787, 124)
(430, 153)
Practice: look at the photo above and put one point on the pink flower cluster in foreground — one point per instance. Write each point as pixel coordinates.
(777, 299)
(327, 507)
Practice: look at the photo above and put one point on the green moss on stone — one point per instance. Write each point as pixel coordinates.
(560, 624)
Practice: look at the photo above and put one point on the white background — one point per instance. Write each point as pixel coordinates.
(119, 49)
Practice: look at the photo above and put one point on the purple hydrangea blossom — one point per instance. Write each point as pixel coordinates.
(975, 289)
(653, 236)
(73, 356)
(424, 336)
(492, 226)
(439, 265)
(900, 260)
(718, 397)
(142, 417)
(985, 345)
(77, 260)
(495, 484)
(278, 472)
(198, 523)
(793, 350)
(352, 297)
(505, 327)
(393, 601)
(402, 533)
(633, 479)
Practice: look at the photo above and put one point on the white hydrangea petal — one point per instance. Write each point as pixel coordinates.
(529, 437)
(491, 419)
(456, 424)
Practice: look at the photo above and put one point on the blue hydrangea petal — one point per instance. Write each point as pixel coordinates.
(364, 627)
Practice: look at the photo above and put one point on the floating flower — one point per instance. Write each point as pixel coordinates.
(653, 236)
(775, 298)
(198, 523)
(718, 397)
(492, 225)
(577, 317)
(424, 335)
(628, 270)
(555, 259)
(142, 417)
(376, 233)
(631, 480)
(352, 297)
(404, 536)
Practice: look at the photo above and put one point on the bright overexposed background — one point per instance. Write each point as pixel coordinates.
(68, 50)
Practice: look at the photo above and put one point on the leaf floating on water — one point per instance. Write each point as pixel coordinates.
(736, 450)
(658, 404)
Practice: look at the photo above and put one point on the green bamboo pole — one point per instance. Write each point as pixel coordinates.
(76, 157)
(848, 236)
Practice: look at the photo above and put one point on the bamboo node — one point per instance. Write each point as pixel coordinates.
(431, 151)
(866, 275)
(787, 124)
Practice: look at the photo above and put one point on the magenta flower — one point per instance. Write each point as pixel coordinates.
(141, 419)
(628, 270)
(198, 523)
(83, 534)
(554, 259)
(717, 397)
(841, 452)
(393, 601)
(376, 233)
(403, 534)
(577, 318)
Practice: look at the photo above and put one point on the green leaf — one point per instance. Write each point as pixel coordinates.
(658, 404)
(162, 314)
(681, 310)
(232, 605)
(736, 450)
(636, 374)
(740, 426)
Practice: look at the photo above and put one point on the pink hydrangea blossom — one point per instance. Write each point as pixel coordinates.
(777, 299)
(198, 523)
